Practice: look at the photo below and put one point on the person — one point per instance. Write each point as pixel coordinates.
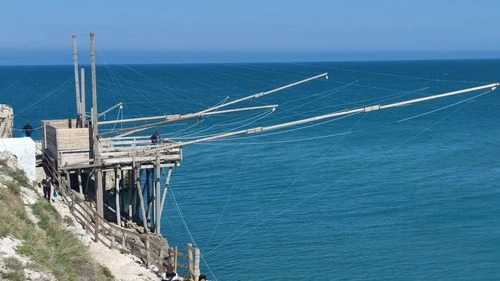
(202, 278)
(155, 138)
(79, 121)
(28, 129)
(169, 274)
(46, 185)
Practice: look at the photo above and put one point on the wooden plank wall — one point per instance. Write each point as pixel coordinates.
(73, 139)
(61, 124)
(51, 141)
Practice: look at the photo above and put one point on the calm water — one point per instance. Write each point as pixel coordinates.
(372, 196)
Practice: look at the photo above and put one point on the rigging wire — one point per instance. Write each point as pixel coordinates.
(444, 107)
(18, 79)
(297, 129)
(177, 208)
(235, 234)
(62, 87)
(228, 197)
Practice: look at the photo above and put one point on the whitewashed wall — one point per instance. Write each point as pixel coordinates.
(24, 149)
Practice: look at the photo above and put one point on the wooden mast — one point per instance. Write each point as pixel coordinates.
(157, 193)
(77, 83)
(82, 95)
(95, 137)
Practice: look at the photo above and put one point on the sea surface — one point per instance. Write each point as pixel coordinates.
(408, 193)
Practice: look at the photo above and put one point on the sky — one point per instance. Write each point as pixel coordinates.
(39, 32)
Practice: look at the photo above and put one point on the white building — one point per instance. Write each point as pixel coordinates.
(24, 149)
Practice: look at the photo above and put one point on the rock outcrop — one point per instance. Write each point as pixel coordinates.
(6, 121)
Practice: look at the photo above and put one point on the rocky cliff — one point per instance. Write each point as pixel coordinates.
(6, 121)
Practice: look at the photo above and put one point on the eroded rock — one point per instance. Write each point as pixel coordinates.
(6, 121)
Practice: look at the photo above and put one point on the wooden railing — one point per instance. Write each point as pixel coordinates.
(151, 248)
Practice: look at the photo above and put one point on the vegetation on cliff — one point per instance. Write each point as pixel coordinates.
(50, 249)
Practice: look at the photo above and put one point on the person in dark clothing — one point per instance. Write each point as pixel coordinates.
(46, 185)
(28, 129)
(79, 121)
(155, 138)
(202, 278)
(169, 274)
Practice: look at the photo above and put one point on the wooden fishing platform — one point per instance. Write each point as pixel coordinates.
(134, 171)
(69, 146)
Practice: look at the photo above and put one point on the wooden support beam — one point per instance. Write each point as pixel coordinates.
(122, 186)
(157, 193)
(130, 194)
(167, 182)
(80, 181)
(148, 194)
(117, 196)
(99, 202)
(136, 196)
(141, 200)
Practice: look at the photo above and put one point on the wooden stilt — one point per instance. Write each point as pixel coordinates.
(80, 181)
(130, 199)
(148, 194)
(122, 187)
(158, 192)
(167, 182)
(117, 196)
(141, 201)
(99, 202)
(136, 195)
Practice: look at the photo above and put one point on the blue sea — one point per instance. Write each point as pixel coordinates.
(408, 193)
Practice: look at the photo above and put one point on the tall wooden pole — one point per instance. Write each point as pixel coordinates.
(82, 95)
(117, 196)
(157, 193)
(131, 187)
(95, 137)
(77, 83)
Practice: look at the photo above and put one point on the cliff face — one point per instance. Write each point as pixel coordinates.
(6, 121)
